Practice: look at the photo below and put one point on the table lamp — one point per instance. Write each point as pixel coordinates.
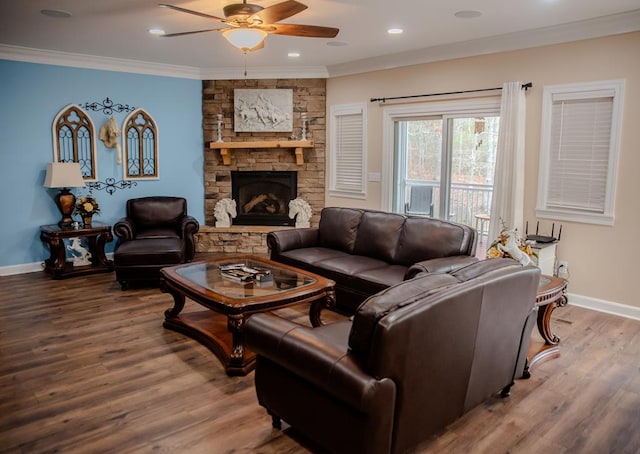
(64, 175)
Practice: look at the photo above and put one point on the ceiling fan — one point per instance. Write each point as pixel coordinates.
(247, 25)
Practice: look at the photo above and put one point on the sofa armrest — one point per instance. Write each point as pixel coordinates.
(124, 229)
(319, 356)
(286, 240)
(439, 265)
(188, 228)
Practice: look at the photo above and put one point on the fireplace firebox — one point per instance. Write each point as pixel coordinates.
(262, 197)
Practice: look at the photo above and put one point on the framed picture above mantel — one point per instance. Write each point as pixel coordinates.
(263, 110)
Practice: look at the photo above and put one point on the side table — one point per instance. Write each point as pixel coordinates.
(97, 236)
(552, 293)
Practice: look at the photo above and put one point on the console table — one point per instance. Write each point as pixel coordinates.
(97, 236)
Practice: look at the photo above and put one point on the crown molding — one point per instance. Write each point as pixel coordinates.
(284, 72)
(51, 57)
(574, 31)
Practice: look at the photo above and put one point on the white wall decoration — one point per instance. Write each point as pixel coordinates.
(257, 110)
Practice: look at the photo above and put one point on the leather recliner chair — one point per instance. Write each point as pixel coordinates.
(156, 232)
(414, 358)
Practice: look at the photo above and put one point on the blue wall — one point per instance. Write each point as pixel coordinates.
(31, 95)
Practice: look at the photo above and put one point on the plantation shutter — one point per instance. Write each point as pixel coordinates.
(348, 155)
(580, 147)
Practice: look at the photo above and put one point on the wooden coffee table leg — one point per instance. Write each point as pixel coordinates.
(178, 299)
(328, 301)
(237, 364)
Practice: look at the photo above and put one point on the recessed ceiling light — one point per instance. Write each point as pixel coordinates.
(57, 13)
(293, 54)
(157, 31)
(395, 31)
(336, 43)
(467, 14)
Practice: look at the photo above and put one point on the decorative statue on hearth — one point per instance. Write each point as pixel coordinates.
(76, 248)
(301, 210)
(224, 210)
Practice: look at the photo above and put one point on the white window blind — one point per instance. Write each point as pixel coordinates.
(580, 136)
(347, 178)
(578, 156)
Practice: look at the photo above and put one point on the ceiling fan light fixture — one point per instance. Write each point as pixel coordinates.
(244, 39)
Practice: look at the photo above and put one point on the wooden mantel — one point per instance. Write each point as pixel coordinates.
(226, 147)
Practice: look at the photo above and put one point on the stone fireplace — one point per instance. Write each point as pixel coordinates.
(263, 197)
(309, 97)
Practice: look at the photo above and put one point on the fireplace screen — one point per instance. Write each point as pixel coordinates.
(263, 197)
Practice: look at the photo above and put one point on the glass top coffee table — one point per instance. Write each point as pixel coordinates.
(230, 302)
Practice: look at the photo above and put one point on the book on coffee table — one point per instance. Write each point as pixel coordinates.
(240, 272)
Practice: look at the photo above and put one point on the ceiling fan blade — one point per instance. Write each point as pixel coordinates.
(279, 11)
(307, 31)
(171, 35)
(195, 13)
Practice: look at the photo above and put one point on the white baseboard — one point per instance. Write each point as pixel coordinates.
(21, 269)
(607, 307)
(30, 267)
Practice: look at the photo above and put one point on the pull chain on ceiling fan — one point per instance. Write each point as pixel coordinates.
(248, 25)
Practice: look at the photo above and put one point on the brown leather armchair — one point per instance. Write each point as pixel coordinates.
(414, 358)
(156, 232)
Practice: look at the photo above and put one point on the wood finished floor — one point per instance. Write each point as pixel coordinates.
(87, 368)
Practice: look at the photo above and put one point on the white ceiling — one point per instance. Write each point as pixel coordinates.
(114, 34)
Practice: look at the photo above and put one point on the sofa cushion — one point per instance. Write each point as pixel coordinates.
(312, 255)
(381, 304)
(350, 265)
(378, 235)
(338, 228)
(426, 238)
(157, 232)
(158, 251)
(374, 280)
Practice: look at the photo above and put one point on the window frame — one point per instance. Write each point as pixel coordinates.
(582, 91)
(60, 121)
(444, 108)
(335, 112)
(138, 153)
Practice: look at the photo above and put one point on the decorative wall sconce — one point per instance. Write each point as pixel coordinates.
(219, 139)
(110, 185)
(108, 107)
(304, 126)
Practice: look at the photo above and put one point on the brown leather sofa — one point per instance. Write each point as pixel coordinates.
(366, 251)
(156, 232)
(415, 357)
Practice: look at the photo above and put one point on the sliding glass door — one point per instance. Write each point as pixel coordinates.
(444, 166)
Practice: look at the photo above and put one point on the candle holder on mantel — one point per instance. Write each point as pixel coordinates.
(219, 139)
(304, 127)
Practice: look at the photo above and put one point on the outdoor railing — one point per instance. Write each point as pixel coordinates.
(466, 200)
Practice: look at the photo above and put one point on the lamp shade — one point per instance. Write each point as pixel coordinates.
(245, 39)
(63, 175)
